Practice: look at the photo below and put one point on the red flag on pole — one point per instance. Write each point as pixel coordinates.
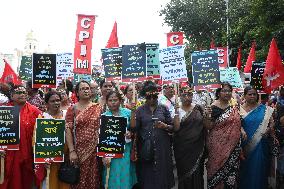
(239, 59)
(273, 75)
(174, 38)
(251, 58)
(113, 40)
(9, 75)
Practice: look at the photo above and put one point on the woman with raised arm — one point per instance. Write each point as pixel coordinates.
(82, 131)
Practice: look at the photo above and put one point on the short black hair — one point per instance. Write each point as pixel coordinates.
(119, 96)
(78, 85)
(50, 94)
(148, 86)
(30, 85)
(69, 85)
(16, 87)
(104, 81)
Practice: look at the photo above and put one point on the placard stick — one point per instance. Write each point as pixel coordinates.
(65, 84)
(208, 101)
(47, 176)
(134, 93)
(176, 86)
(107, 177)
(2, 170)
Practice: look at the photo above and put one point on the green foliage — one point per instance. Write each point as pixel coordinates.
(249, 20)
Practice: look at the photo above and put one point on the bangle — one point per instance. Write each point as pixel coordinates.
(176, 114)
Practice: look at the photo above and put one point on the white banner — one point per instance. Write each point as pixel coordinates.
(64, 67)
(172, 63)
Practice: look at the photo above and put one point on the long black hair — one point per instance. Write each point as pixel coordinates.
(148, 86)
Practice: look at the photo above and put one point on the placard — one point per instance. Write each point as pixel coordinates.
(112, 136)
(134, 67)
(25, 71)
(49, 140)
(9, 128)
(172, 63)
(205, 69)
(153, 63)
(80, 77)
(112, 62)
(232, 76)
(64, 67)
(44, 70)
(222, 56)
(257, 71)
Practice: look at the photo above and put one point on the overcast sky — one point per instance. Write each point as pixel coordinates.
(54, 22)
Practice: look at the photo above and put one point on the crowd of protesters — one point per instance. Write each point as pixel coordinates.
(215, 139)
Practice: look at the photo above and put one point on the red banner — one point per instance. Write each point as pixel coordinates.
(174, 38)
(222, 57)
(83, 44)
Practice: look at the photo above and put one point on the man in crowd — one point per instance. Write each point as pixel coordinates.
(34, 97)
(167, 98)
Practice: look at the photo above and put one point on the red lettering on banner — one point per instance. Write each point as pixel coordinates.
(83, 44)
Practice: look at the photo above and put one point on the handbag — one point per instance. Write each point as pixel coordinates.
(68, 172)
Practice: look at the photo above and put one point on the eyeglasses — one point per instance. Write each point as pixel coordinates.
(226, 91)
(152, 96)
(84, 89)
(20, 92)
(187, 94)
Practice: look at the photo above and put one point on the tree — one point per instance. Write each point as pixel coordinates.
(249, 20)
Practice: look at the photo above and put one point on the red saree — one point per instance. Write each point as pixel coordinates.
(19, 173)
(223, 145)
(87, 127)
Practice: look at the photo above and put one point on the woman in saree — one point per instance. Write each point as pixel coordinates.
(223, 141)
(106, 87)
(189, 141)
(82, 137)
(153, 124)
(122, 170)
(53, 101)
(258, 124)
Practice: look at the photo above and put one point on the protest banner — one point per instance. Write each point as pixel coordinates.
(172, 63)
(83, 44)
(205, 69)
(222, 57)
(134, 67)
(112, 62)
(257, 71)
(49, 140)
(80, 77)
(44, 70)
(153, 63)
(9, 128)
(64, 67)
(25, 71)
(112, 136)
(232, 76)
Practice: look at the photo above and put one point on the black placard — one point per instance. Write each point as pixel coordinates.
(9, 128)
(44, 70)
(25, 72)
(112, 136)
(112, 62)
(257, 71)
(134, 58)
(205, 68)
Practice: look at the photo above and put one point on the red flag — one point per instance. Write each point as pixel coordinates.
(273, 75)
(174, 38)
(113, 40)
(251, 58)
(9, 75)
(239, 59)
(212, 44)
